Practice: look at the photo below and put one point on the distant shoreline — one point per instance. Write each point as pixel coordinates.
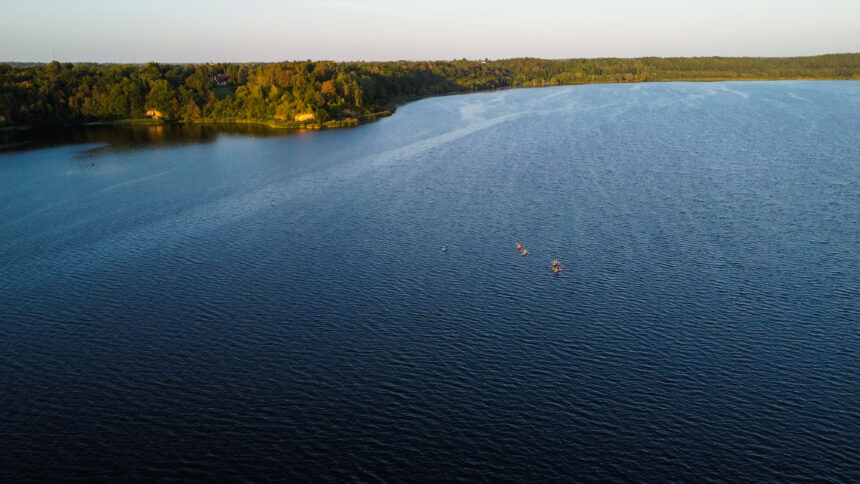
(310, 95)
(354, 122)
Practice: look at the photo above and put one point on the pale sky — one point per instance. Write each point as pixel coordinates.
(263, 30)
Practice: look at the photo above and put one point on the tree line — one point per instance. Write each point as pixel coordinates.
(303, 93)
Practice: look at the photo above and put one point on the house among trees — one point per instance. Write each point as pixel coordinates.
(221, 79)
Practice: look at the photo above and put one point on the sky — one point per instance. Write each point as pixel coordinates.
(180, 31)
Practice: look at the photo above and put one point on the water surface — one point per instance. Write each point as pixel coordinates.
(280, 308)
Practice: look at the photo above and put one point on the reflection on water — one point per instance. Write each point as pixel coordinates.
(122, 138)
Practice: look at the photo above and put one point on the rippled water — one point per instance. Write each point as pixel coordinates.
(280, 308)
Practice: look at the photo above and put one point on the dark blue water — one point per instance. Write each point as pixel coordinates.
(279, 308)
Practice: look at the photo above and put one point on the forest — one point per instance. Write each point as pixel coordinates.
(308, 94)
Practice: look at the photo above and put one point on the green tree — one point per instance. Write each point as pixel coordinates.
(162, 97)
(191, 111)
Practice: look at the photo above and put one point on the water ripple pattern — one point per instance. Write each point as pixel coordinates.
(279, 308)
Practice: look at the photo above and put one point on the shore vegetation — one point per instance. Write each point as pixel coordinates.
(309, 94)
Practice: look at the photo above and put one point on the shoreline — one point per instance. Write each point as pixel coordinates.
(274, 124)
(389, 109)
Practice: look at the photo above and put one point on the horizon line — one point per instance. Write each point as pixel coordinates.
(486, 59)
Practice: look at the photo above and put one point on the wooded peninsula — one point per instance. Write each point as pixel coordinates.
(309, 94)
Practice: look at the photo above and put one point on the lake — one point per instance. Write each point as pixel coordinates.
(204, 303)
